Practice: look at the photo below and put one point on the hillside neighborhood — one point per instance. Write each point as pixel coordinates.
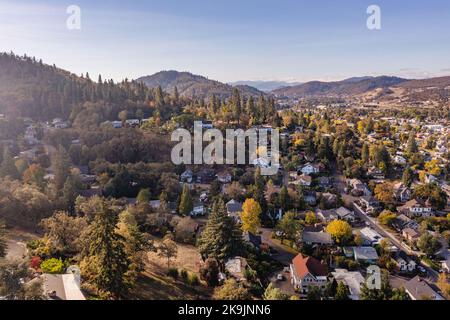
(91, 206)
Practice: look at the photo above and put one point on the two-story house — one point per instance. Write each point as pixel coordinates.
(307, 272)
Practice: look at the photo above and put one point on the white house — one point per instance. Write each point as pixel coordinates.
(416, 208)
(306, 272)
(405, 263)
(352, 279)
(309, 168)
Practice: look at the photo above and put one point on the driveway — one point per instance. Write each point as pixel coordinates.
(283, 255)
(15, 250)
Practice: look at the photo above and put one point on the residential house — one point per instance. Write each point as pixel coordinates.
(358, 188)
(198, 210)
(132, 122)
(186, 176)
(345, 214)
(352, 280)
(224, 177)
(370, 204)
(117, 124)
(304, 180)
(62, 287)
(253, 239)
(309, 169)
(206, 176)
(327, 215)
(306, 272)
(324, 182)
(429, 178)
(310, 197)
(399, 160)
(418, 289)
(410, 235)
(236, 268)
(405, 263)
(365, 254)
(376, 173)
(401, 192)
(329, 199)
(370, 236)
(400, 222)
(234, 209)
(316, 238)
(416, 208)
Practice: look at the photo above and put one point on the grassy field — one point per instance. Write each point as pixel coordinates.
(155, 284)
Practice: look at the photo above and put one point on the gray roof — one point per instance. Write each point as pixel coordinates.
(317, 237)
(419, 289)
(365, 253)
(233, 206)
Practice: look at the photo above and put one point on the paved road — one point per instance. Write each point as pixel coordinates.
(399, 244)
(284, 256)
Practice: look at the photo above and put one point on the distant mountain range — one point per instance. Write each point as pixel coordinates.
(351, 86)
(266, 86)
(191, 85)
(366, 87)
(382, 88)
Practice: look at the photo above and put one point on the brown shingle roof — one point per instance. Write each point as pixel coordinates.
(304, 265)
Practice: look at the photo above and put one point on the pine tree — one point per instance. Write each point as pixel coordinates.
(221, 238)
(407, 177)
(186, 204)
(61, 167)
(3, 245)
(411, 147)
(70, 193)
(107, 247)
(365, 153)
(8, 167)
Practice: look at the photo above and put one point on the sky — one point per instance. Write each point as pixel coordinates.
(231, 40)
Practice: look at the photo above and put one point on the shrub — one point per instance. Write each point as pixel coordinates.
(173, 272)
(52, 265)
(35, 262)
(193, 280)
(184, 275)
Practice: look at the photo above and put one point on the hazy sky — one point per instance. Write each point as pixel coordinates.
(231, 40)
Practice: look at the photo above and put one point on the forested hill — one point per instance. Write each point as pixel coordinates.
(191, 85)
(33, 89)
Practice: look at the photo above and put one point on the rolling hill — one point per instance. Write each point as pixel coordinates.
(266, 86)
(191, 85)
(348, 87)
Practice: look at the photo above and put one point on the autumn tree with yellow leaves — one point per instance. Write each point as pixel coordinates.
(340, 230)
(251, 211)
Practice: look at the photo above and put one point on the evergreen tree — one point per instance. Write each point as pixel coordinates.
(407, 177)
(3, 245)
(341, 292)
(365, 153)
(8, 167)
(283, 199)
(411, 146)
(70, 193)
(108, 248)
(221, 238)
(61, 166)
(186, 204)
